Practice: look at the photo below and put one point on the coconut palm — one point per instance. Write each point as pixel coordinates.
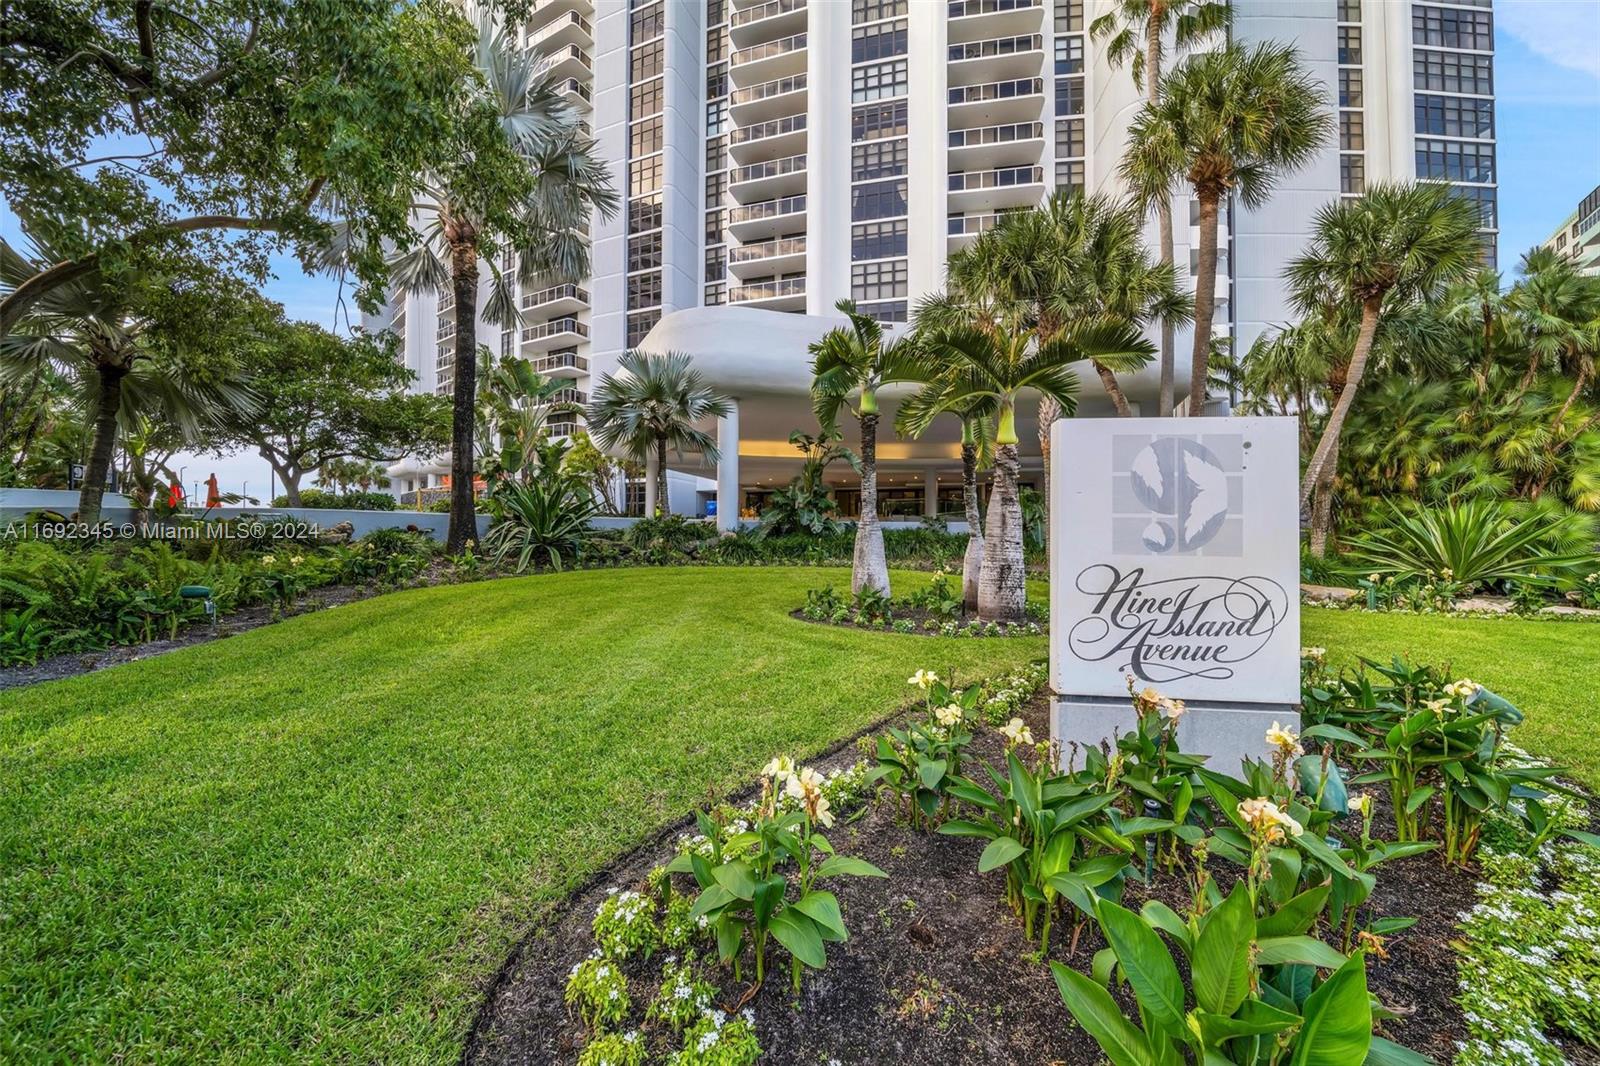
(854, 361)
(1398, 243)
(653, 403)
(995, 366)
(1228, 122)
(1138, 30)
(521, 176)
(99, 336)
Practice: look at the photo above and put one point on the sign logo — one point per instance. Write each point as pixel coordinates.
(1178, 495)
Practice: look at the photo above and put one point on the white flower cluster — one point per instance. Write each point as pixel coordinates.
(625, 923)
(720, 1039)
(842, 789)
(1005, 695)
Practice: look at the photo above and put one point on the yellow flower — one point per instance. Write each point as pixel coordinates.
(1268, 818)
(1284, 739)
(1359, 803)
(1437, 706)
(296, 560)
(267, 560)
(1172, 709)
(1016, 731)
(1462, 689)
(1316, 655)
(948, 715)
(804, 784)
(923, 679)
(818, 809)
(779, 768)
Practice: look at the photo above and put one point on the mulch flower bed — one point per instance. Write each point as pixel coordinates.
(925, 623)
(936, 969)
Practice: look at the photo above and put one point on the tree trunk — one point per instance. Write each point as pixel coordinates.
(663, 504)
(463, 417)
(1205, 295)
(1002, 588)
(1327, 447)
(972, 560)
(1049, 411)
(1152, 92)
(1577, 387)
(869, 567)
(1119, 400)
(104, 443)
(291, 484)
(1322, 507)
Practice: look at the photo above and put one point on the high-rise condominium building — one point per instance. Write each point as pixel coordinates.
(1578, 237)
(783, 154)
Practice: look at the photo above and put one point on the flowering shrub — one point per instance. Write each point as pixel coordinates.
(624, 925)
(920, 761)
(598, 988)
(718, 1040)
(682, 997)
(679, 928)
(613, 1049)
(1003, 697)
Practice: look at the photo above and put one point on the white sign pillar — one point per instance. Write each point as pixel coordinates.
(728, 494)
(1174, 559)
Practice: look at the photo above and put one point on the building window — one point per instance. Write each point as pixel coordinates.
(644, 175)
(716, 263)
(877, 159)
(645, 137)
(1349, 10)
(717, 189)
(878, 120)
(507, 338)
(1069, 55)
(716, 222)
(1455, 160)
(1350, 131)
(872, 10)
(878, 81)
(1454, 116)
(644, 213)
(647, 23)
(1069, 16)
(889, 312)
(1069, 175)
(1352, 175)
(645, 62)
(1069, 138)
(1350, 88)
(1350, 45)
(1453, 72)
(716, 11)
(717, 81)
(1449, 28)
(878, 240)
(881, 41)
(645, 100)
(884, 199)
(716, 154)
(716, 295)
(644, 251)
(640, 324)
(717, 44)
(1069, 96)
(644, 290)
(1484, 199)
(878, 281)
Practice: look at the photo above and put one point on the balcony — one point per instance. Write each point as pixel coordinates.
(768, 140)
(563, 428)
(764, 181)
(547, 11)
(964, 229)
(563, 364)
(995, 58)
(576, 93)
(977, 20)
(766, 22)
(990, 146)
(567, 63)
(554, 334)
(1001, 187)
(768, 218)
(569, 28)
(569, 395)
(556, 300)
(765, 259)
(769, 100)
(996, 103)
(764, 62)
(781, 294)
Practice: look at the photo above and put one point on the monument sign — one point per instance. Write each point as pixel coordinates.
(1174, 560)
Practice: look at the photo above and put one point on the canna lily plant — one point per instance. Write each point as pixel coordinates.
(922, 761)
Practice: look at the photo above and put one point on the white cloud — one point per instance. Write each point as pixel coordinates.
(1566, 32)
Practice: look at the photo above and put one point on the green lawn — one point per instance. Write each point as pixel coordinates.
(1549, 669)
(314, 841)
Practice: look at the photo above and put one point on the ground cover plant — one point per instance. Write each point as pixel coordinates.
(318, 840)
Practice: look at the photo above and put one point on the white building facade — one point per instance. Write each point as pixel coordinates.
(779, 155)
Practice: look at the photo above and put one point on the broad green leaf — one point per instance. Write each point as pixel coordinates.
(845, 866)
(737, 877)
(1097, 1012)
(1000, 851)
(960, 827)
(1338, 1025)
(1277, 950)
(1296, 915)
(823, 908)
(932, 772)
(730, 933)
(711, 899)
(800, 935)
(1418, 798)
(1255, 1018)
(1146, 964)
(1384, 1053)
(1162, 917)
(1222, 954)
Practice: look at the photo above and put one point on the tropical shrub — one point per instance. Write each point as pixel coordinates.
(624, 925)
(719, 1040)
(598, 988)
(544, 520)
(920, 762)
(666, 539)
(682, 998)
(614, 1049)
(1475, 543)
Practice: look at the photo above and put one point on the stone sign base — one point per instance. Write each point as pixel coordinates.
(1232, 731)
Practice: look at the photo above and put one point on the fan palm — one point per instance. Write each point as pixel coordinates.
(1397, 243)
(527, 187)
(1227, 122)
(1137, 32)
(98, 335)
(653, 403)
(995, 366)
(855, 361)
(1556, 312)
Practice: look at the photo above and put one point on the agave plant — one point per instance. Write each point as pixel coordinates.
(545, 518)
(1476, 542)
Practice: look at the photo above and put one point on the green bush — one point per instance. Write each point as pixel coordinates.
(322, 499)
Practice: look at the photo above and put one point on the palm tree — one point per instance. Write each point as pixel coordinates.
(516, 407)
(1556, 314)
(1232, 121)
(1138, 30)
(526, 188)
(854, 361)
(655, 402)
(99, 335)
(995, 366)
(976, 415)
(1400, 243)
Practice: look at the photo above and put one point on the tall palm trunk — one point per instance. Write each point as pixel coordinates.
(869, 566)
(1049, 411)
(1325, 460)
(1205, 295)
(1577, 388)
(1119, 399)
(972, 560)
(663, 505)
(1002, 590)
(107, 404)
(1152, 90)
(464, 376)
